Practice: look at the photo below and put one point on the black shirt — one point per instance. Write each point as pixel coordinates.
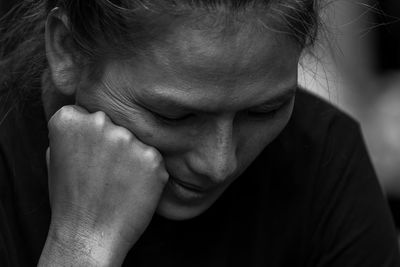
(311, 198)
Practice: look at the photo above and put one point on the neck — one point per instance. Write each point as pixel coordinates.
(52, 98)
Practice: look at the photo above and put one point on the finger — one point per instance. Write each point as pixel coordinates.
(48, 159)
(97, 113)
(80, 109)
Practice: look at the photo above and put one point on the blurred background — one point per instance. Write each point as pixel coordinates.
(356, 66)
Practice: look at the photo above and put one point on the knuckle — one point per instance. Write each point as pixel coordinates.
(99, 119)
(164, 177)
(153, 156)
(155, 163)
(64, 117)
(67, 109)
(67, 112)
(52, 124)
(119, 135)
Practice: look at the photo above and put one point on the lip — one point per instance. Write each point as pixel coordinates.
(190, 186)
(186, 191)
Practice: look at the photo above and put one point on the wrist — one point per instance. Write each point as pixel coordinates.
(81, 247)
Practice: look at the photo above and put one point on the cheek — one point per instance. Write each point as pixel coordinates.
(137, 120)
(129, 117)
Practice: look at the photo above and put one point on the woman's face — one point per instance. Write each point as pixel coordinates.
(209, 105)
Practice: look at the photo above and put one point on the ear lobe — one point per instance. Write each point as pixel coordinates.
(59, 53)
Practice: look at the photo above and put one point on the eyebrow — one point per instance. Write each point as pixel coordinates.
(165, 101)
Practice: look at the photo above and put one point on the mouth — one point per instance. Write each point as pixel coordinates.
(189, 186)
(187, 191)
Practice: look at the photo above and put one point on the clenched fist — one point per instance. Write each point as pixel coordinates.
(104, 186)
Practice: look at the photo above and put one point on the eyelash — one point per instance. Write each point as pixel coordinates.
(170, 120)
(262, 115)
(256, 115)
(270, 113)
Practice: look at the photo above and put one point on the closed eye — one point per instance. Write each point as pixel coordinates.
(167, 119)
(171, 120)
(260, 113)
(263, 114)
(269, 112)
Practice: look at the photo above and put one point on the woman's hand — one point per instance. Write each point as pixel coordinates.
(104, 188)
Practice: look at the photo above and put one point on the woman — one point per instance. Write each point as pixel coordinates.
(175, 140)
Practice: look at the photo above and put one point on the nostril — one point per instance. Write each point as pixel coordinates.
(214, 168)
(222, 168)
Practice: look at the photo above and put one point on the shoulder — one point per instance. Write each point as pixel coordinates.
(318, 135)
(317, 157)
(312, 153)
(316, 184)
(315, 118)
(334, 173)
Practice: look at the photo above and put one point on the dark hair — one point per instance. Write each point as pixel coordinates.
(99, 27)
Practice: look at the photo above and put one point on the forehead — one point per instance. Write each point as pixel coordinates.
(241, 61)
(208, 49)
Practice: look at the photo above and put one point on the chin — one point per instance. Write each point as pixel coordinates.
(179, 212)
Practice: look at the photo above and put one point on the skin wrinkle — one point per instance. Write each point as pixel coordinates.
(232, 61)
(220, 138)
(118, 104)
(216, 127)
(123, 110)
(223, 28)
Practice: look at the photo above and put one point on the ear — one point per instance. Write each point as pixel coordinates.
(60, 53)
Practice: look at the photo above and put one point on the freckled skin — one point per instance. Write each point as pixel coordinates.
(219, 79)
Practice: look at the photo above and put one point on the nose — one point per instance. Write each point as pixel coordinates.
(214, 154)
